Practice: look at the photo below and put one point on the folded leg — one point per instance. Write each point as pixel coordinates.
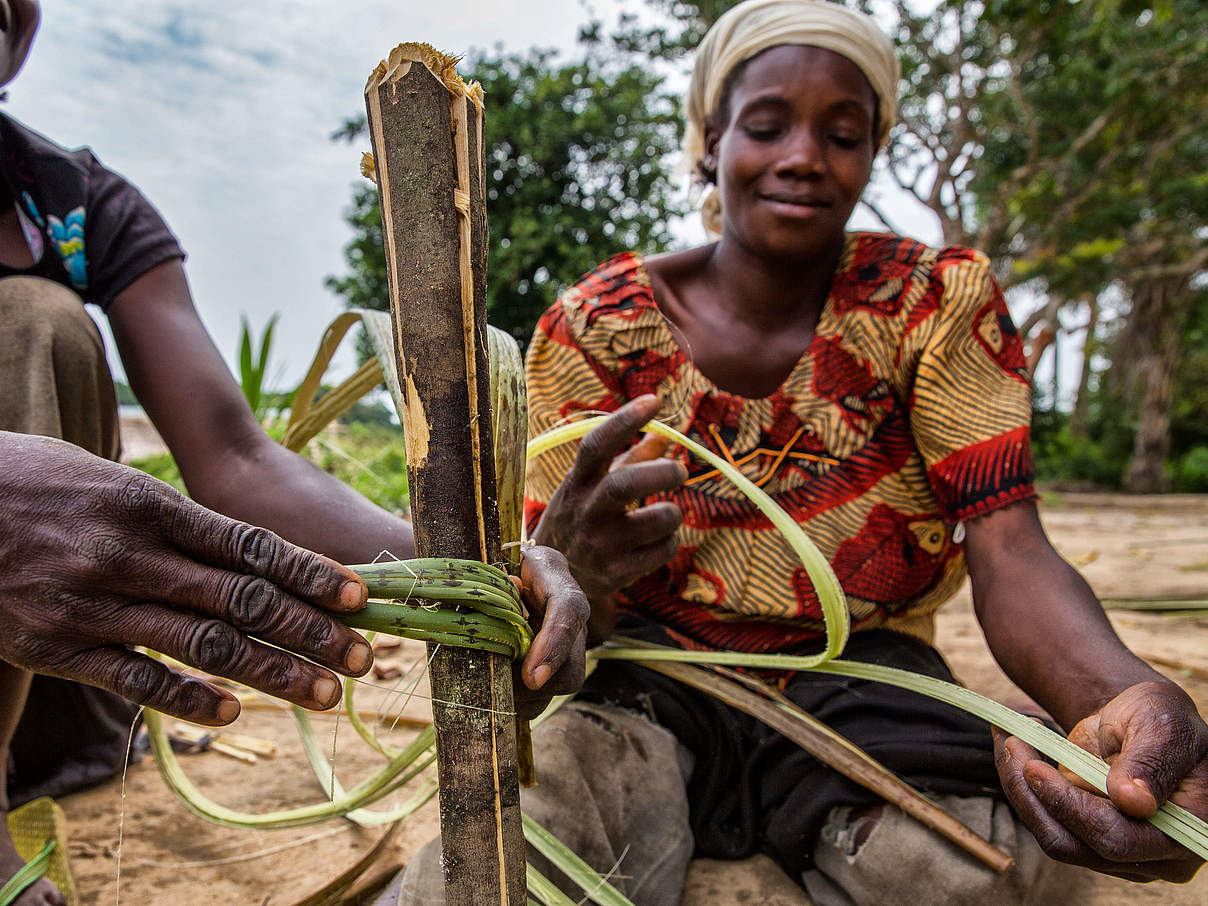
(611, 787)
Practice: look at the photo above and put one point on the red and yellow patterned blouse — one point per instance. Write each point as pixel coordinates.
(908, 413)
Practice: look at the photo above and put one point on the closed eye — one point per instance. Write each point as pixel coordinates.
(763, 132)
(845, 141)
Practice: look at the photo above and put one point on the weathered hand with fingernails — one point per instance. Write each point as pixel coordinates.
(558, 611)
(1157, 746)
(97, 558)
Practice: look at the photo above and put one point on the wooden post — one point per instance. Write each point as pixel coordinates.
(426, 126)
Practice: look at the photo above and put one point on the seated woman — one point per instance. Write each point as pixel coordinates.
(876, 389)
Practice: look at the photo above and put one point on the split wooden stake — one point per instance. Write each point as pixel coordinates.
(426, 126)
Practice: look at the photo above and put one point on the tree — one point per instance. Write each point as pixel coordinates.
(576, 167)
(683, 23)
(1111, 189)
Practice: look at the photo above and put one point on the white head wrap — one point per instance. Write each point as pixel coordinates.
(754, 26)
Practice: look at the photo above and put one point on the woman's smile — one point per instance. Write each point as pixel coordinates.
(788, 204)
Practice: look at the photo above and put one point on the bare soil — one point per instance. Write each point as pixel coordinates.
(1126, 547)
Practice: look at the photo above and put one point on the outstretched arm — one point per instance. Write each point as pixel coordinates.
(1051, 636)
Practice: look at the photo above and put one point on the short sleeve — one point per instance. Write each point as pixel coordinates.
(970, 401)
(125, 236)
(563, 378)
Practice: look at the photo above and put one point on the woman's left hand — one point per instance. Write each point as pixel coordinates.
(558, 611)
(1157, 746)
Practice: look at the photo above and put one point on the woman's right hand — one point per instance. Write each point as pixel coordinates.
(96, 557)
(597, 519)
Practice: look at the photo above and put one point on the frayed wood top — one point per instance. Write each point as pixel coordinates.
(439, 63)
(475, 93)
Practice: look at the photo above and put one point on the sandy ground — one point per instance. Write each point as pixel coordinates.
(1125, 547)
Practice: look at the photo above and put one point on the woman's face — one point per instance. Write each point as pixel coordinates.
(796, 152)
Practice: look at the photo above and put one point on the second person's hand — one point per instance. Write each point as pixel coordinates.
(97, 558)
(558, 611)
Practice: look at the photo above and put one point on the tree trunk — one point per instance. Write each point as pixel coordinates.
(1078, 425)
(1154, 329)
(1049, 323)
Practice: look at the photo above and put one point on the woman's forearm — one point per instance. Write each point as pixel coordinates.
(1041, 619)
(266, 485)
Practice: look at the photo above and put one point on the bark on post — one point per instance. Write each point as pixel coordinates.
(1155, 333)
(426, 126)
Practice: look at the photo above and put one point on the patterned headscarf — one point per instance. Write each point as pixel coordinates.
(754, 26)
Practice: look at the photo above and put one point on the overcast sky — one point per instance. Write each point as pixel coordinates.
(221, 112)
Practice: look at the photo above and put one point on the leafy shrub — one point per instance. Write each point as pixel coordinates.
(369, 457)
(1098, 459)
(1191, 473)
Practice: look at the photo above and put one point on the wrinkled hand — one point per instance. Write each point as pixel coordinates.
(558, 611)
(596, 517)
(1157, 746)
(96, 557)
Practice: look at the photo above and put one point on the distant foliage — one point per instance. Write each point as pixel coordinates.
(368, 457)
(1101, 451)
(1096, 459)
(1189, 418)
(1191, 473)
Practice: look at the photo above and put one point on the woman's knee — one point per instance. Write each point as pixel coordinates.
(864, 857)
(53, 367)
(41, 311)
(611, 786)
